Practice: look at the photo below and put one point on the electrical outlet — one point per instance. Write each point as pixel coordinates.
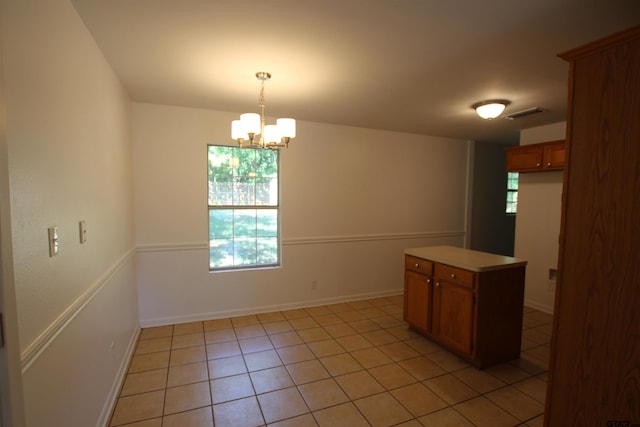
(314, 285)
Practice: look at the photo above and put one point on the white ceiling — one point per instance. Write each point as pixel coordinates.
(404, 65)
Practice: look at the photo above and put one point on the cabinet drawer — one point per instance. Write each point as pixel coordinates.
(454, 275)
(418, 265)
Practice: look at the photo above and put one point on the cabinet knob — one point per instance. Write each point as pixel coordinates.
(538, 164)
(453, 276)
(429, 281)
(549, 164)
(437, 283)
(417, 265)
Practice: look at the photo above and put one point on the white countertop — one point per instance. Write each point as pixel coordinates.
(465, 258)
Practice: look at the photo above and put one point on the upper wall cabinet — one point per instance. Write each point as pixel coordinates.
(542, 157)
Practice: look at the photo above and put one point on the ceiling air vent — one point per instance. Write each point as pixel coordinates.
(523, 113)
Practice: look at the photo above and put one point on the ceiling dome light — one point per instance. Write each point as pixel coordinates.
(490, 109)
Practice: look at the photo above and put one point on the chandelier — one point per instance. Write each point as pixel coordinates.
(251, 131)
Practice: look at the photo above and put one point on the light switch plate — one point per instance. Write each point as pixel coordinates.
(54, 244)
(83, 231)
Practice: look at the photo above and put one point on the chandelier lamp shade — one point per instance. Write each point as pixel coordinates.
(251, 131)
(490, 109)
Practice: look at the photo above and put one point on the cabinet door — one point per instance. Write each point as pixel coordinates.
(417, 300)
(554, 155)
(453, 315)
(536, 157)
(524, 158)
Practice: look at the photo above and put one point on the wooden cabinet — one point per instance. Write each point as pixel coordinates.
(594, 373)
(418, 293)
(468, 301)
(541, 157)
(453, 307)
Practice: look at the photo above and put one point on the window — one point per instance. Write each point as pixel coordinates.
(243, 208)
(512, 192)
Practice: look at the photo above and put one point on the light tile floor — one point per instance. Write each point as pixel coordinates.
(350, 364)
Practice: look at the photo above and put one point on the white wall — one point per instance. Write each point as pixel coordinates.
(352, 199)
(538, 222)
(69, 157)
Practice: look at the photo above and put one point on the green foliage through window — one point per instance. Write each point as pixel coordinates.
(243, 203)
(512, 192)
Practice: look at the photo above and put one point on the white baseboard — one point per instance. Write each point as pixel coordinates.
(110, 403)
(171, 320)
(541, 307)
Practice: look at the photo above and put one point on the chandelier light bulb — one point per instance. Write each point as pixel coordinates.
(250, 122)
(271, 134)
(287, 127)
(237, 130)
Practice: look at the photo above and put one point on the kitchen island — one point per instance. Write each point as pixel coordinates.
(469, 302)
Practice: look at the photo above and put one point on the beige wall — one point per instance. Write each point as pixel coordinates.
(352, 200)
(538, 222)
(11, 401)
(69, 159)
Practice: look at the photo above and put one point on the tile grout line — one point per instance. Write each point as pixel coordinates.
(323, 326)
(206, 358)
